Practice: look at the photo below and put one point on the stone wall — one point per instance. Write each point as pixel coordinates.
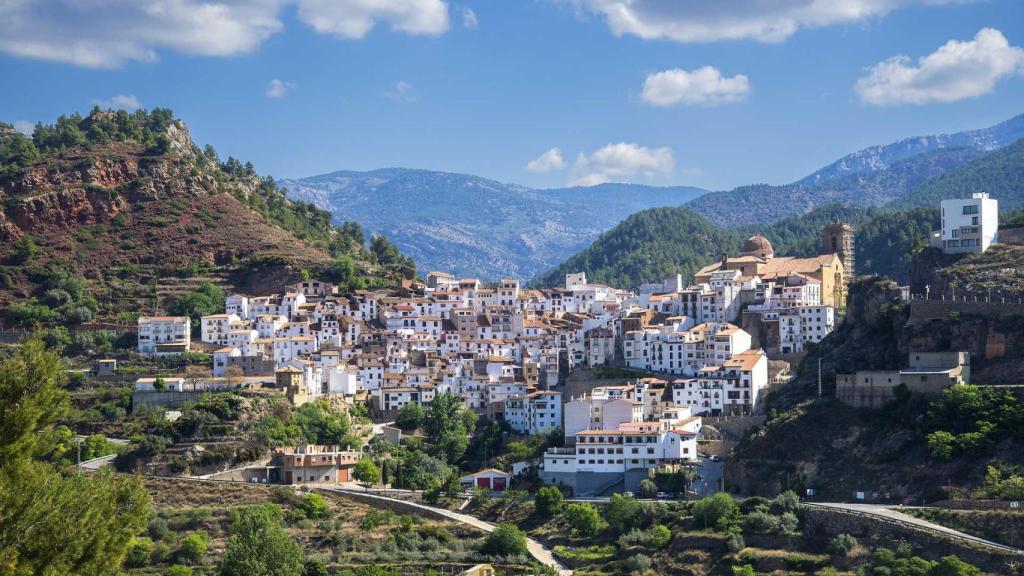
(825, 523)
(163, 398)
(733, 427)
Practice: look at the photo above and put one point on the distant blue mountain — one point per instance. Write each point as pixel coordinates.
(882, 157)
(473, 226)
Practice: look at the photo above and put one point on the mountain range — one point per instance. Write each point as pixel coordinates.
(474, 226)
(654, 244)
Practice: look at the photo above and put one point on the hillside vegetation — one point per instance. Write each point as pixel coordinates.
(649, 246)
(126, 206)
(655, 244)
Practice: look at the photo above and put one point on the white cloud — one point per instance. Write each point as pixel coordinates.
(469, 18)
(24, 126)
(620, 163)
(546, 162)
(761, 20)
(355, 18)
(403, 92)
(956, 71)
(702, 86)
(279, 88)
(108, 33)
(120, 102)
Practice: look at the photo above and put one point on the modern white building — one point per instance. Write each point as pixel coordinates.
(969, 224)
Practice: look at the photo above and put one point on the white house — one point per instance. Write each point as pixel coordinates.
(214, 328)
(969, 224)
(165, 335)
(536, 413)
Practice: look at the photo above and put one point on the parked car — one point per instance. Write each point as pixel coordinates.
(627, 494)
(715, 458)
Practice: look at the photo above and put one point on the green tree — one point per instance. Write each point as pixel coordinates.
(583, 519)
(719, 511)
(31, 400)
(743, 570)
(648, 489)
(366, 472)
(622, 513)
(259, 546)
(505, 540)
(447, 424)
(941, 445)
(410, 417)
(178, 570)
(548, 501)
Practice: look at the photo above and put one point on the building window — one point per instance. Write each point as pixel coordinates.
(971, 209)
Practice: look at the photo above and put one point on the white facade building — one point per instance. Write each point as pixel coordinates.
(165, 335)
(969, 224)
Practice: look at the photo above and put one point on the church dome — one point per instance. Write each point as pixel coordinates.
(758, 246)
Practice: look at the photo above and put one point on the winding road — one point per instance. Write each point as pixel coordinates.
(540, 552)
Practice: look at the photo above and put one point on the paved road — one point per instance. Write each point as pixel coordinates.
(537, 550)
(97, 463)
(710, 473)
(883, 511)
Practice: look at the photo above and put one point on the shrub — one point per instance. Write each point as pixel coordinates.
(734, 542)
(743, 570)
(315, 506)
(659, 536)
(178, 570)
(648, 489)
(138, 553)
(788, 501)
(157, 528)
(583, 519)
(548, 501)
(193, 548)
(639, 563)
(760, 522)
(842, 544)
(505, 540)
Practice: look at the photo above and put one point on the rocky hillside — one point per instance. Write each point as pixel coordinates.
(129, 202)
(823, 444)
(473, 226)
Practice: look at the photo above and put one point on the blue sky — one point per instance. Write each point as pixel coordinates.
(652, 91)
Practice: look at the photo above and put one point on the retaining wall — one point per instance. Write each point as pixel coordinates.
(825, 523)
